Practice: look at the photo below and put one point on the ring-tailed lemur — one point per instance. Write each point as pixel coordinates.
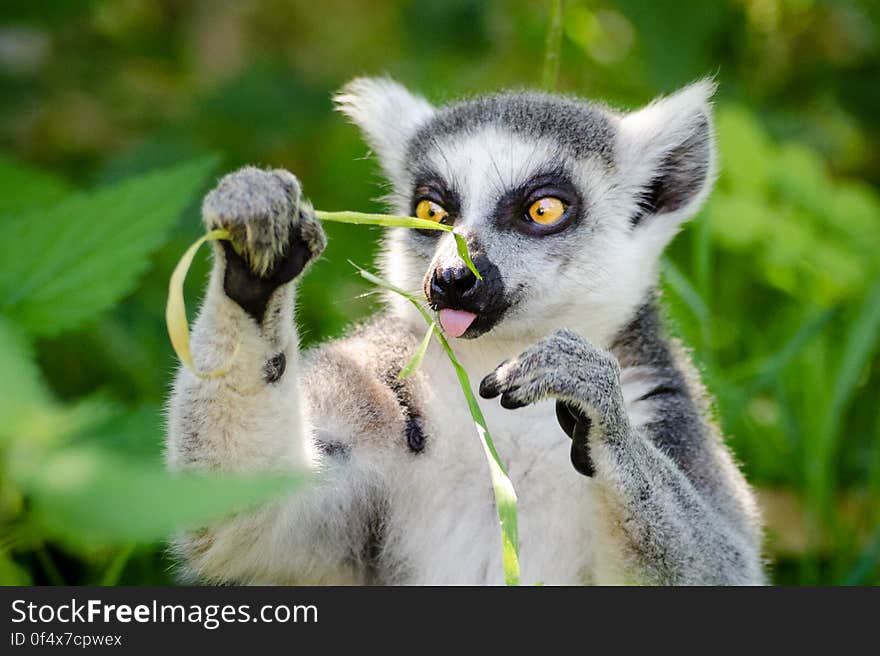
(566, 207)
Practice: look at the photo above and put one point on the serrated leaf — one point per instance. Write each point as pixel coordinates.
(87, 497)
(22, 390)
(25, 188)
(28, 411)
(66, 263)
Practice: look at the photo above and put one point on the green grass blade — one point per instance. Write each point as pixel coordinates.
(685, 290)
(392, 221)
(867, 563)
(702, 255)
(505, 496)
(416, 360)
(120, 560)
(461, 247)
(679, 283)
(386, 220)
(761, 371)
(861, 341)
(770, 368)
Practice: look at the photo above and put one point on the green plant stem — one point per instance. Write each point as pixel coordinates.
(114, 571)
(392, 221)
(553, 47)
(49, 566)
(387, 220)
(505, 496)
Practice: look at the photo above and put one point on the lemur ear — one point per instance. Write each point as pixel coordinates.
(387, 114)
(666, 152)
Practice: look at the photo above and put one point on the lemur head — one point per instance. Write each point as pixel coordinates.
(566, 205)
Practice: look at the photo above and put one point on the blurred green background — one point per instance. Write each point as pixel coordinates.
(775, 286)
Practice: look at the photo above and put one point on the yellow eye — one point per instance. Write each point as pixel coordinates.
(430, 211)
(547, 210)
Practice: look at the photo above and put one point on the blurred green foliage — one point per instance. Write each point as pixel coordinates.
(775, 286)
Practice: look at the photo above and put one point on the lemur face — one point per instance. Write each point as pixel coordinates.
(566, 206)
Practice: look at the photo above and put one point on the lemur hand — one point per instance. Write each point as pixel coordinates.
(274, 233)
(584, 380)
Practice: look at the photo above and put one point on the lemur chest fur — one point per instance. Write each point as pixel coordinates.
(438, 518)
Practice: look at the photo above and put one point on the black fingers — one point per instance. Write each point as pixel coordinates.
(565, 415)
(577, 426)
(489, 387)
(580, 449)
(510, 401)
(251, 291)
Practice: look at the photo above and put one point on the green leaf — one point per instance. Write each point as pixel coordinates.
(28, 411)
(767, 369)
(26, 188)
(23, 394)
(66, 263)
(89, 497)
(679, 283)
(505, 496)
(416, 360)
(133, 432)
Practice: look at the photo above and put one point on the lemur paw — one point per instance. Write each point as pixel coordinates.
(564, 365)
(261, 209)
(584, 380)
(274, 233)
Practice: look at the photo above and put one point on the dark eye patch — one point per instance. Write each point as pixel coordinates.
(433, 187)
(511, 211)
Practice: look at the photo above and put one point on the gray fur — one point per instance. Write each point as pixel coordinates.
(580, 128)
(679, 528)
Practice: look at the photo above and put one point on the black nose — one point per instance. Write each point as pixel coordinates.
(451, 285)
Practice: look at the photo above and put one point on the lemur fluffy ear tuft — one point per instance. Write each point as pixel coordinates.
(387, 114)
(667, 153)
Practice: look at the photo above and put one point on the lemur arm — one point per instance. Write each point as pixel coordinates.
(254, 418)
(656, 526)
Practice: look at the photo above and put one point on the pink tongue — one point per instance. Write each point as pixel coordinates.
(456, 322)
